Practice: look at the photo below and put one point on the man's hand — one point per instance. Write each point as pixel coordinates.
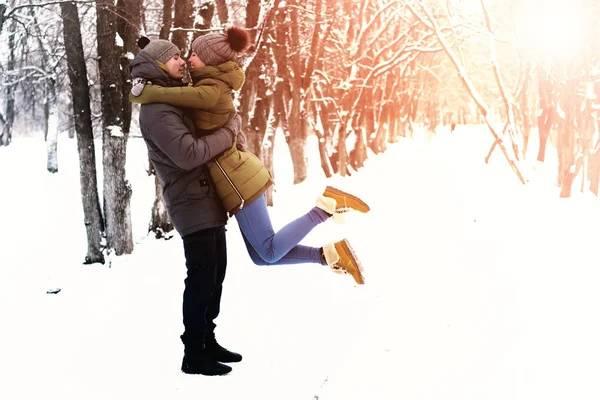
(240, 141)
(234, 126)
(137, 86)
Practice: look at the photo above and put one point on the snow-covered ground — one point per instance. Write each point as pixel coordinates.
(477, 288)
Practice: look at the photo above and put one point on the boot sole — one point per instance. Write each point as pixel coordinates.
(350, 252)
(351, 196)
(212, 373)
(204, 374)
(187, 369)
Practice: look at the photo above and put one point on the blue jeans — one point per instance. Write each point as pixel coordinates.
(266, 247)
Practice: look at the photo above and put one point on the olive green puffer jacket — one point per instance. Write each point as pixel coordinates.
(239, 177)
(211, 97)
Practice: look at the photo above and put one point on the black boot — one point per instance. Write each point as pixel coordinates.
(203, 366)
(197, 361)
(217, 352)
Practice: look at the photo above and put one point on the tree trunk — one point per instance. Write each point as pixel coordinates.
(117, 191)
(51, 134)
(183, 22)
(342, 151)
(365, 127)
(253, 16)
(167, 20)
(2, 18)
(255, 84)
(377, 144)
(160, 224)
(268, 143)
(206, 12)
(526, 133)
(545, 122)
(9, 111)
(547, 115)
(296, 138)
(323, 138)
(80, 93)
(525, 110)
(393, 122)
(259, 121)
(222, 11)
(594, 162)
(297, 145)
(50, 105)
(568, 164)
(128, 24)
(358, 155)
(258, 130)
(595, 171)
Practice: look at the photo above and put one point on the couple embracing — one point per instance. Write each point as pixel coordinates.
(197, 147)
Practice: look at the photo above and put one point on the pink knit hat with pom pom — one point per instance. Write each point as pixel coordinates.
(216, 48)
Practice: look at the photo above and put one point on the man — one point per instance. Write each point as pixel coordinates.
(192, 203)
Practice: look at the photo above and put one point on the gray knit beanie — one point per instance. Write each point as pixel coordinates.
(216, 48)
(159, 49)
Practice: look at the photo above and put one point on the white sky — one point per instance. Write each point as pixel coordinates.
(474, 291)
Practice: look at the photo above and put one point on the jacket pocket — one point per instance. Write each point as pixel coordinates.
(198, 188)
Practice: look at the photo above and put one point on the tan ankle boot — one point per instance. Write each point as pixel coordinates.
(345, 201)
(341, 258)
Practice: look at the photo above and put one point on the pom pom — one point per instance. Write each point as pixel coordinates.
(143, 42)
(238, 38)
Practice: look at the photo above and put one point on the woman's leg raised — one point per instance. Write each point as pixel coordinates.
(255, 223)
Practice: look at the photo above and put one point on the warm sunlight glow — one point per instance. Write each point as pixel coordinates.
(554, 28)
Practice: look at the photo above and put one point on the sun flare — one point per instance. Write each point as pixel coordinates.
(554, 28)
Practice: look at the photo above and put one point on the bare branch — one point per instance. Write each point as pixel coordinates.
(362, 36)
(50, 3)
(466, 82)
(508, 102)
(453, 29)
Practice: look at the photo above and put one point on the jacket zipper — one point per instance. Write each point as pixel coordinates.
(231, 183)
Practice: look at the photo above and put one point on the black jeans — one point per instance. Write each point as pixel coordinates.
(206, 262)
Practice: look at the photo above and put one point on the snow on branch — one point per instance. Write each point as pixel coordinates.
(31, 71)
(362, 36)
(49, 3)
(12, 13)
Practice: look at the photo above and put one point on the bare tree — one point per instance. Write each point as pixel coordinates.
(117, 191)
(167, 20)
(511, 126)
(94, 223)
(3, 8)
(431, 22)
(128, 24)
(222, 11)
(594, 108)
(255, 99)
(548, 113)
(182, 24)
(9, 93)
(49, 63)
